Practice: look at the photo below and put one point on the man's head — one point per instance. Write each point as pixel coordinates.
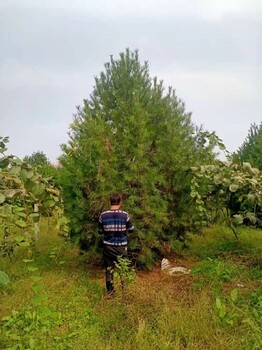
(115, 199)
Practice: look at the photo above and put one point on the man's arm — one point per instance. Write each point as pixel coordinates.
(100, 226)
(129, 226)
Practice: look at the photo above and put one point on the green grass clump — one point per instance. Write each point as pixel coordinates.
(218, 241)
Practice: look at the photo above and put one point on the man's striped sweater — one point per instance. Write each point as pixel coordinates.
(115, 224)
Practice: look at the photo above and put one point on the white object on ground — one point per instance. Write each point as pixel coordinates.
(165, 265)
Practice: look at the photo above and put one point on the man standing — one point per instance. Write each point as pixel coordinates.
(114, 224)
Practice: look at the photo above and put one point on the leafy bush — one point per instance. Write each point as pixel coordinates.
(231, 190)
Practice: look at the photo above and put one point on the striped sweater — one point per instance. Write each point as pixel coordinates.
(114, 225)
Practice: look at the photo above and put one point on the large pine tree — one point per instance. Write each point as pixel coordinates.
(131, 137)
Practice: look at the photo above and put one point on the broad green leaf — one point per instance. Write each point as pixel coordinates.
(49, 203)
(36, 278)
(54, 191)
(19, 238)
(233, 188)
(230, 322)
(234, 294)
(44, 310)
(30, 174)
(34, 215)
(17, 161)
(37, 300)
(16, 208)
(15, 170)
(23, 174)
(21, 214)
(24, 244)
(21, 223)
(217, 179)
(251, 198)
(4, 279)
(32, 343)
(218, 303)
(246, 166)
(34, 178)
(238, 219)
(10, 193)
(222, 311)
(251, 217)
(2, 198)
(44, 296)
(32, 269)
(254, 171)
(37, 288)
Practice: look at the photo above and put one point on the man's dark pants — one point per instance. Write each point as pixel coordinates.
(111, 253)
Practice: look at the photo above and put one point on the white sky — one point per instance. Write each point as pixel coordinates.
(210, 51)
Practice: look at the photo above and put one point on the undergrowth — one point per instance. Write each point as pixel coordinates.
(55, 300)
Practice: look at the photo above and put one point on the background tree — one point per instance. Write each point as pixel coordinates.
(134, 138)
(42, 164)
(37, 158)
(251, 149)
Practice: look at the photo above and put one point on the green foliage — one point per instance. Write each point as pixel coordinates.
(4, 279)
(39, 161)
(251, 149)
(124, 272)
(227, 317)
(37, 158)
(217, 270)
(24, 196)
(132, 137)
(234, 311)
(156, 312)
(218, 241)
(20, 327)
(228, 189)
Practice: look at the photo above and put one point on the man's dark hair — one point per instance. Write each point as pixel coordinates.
(115, 198)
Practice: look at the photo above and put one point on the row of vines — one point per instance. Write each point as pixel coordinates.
(228, 191)
(25, 196)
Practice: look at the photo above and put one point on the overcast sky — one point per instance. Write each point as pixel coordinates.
(210, 51)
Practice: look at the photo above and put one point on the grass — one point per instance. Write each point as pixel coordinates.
(219, 241)
(156, 312)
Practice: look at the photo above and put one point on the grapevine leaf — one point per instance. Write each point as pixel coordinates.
(24, 244)
(233, 188)
(238, 219)
(21, 223)
(19, 238)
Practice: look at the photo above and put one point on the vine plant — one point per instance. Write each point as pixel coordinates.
(231, 189)
(24, 197)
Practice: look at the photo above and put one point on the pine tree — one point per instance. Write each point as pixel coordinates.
(131, 137)
(251, 149)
